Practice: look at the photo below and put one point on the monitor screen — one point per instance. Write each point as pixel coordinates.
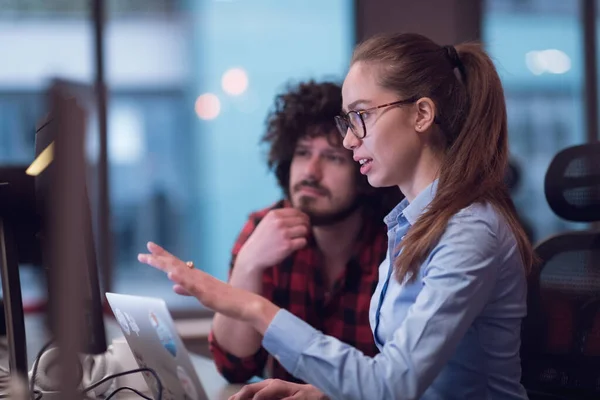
(19, 225)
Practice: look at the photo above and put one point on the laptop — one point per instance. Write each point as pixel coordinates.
(151, 335)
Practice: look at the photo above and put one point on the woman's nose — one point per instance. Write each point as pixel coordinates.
(350, 140)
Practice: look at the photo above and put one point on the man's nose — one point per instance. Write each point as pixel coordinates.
(351, 142)
(314, 168)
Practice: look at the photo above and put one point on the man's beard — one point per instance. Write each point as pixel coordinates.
(320, 218)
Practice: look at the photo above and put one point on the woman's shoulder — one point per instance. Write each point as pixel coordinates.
(481, 223)
(476, 238)
(480, 213)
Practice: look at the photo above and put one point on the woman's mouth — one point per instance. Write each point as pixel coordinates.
(365, 165)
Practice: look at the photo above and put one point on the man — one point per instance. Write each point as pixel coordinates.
(317, 252)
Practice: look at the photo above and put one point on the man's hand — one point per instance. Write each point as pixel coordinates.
(279, 234)
(278, 389)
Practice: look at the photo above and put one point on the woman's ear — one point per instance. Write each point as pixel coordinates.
(425, 114)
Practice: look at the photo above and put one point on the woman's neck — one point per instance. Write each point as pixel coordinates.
(426, 171)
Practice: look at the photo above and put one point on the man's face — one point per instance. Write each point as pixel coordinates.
(323, 180)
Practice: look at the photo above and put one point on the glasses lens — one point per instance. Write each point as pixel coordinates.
(342, 125)
(356, 124)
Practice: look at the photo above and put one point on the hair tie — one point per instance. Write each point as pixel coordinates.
(452, 55)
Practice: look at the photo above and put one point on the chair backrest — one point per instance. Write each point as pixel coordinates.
(561, 334)
(572, 184)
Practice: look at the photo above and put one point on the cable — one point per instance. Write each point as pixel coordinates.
(133, 371)
(36, 362)
(39, 394)
(128, 388)
(36, 392)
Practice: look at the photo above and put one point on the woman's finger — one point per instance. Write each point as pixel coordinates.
(248, 391)
(158, 250)
(163, 263)
(180, 290)
(276, 389)
(298, 396)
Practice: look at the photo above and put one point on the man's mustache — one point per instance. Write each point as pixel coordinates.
(313, 185)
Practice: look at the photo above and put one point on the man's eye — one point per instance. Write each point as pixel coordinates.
(301, 153)
(336, 159)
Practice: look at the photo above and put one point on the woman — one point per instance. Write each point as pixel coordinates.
(447, 311)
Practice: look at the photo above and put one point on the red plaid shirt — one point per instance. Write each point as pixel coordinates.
(297, 284)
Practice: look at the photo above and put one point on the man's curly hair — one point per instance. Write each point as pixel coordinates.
(308, 110)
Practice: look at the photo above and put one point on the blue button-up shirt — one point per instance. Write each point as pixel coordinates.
(452, 334)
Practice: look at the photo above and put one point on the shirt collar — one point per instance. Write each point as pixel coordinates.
(412, 211)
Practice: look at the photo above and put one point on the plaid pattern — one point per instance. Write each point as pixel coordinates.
(298, 285)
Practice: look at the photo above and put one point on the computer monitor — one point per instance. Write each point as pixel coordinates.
(67, 234)
(19, 225)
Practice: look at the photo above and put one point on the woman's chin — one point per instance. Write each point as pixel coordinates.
(377, 181)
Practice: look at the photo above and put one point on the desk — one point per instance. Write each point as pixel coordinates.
(215, 386)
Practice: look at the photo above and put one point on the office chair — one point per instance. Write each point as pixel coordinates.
(561, 334)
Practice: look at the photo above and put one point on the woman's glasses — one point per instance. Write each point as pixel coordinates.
(354, 120)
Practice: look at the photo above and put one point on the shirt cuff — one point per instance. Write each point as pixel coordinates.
(286, 338)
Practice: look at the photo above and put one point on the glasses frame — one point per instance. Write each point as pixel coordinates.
(345, 117)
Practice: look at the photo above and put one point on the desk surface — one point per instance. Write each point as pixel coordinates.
(215, 386)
